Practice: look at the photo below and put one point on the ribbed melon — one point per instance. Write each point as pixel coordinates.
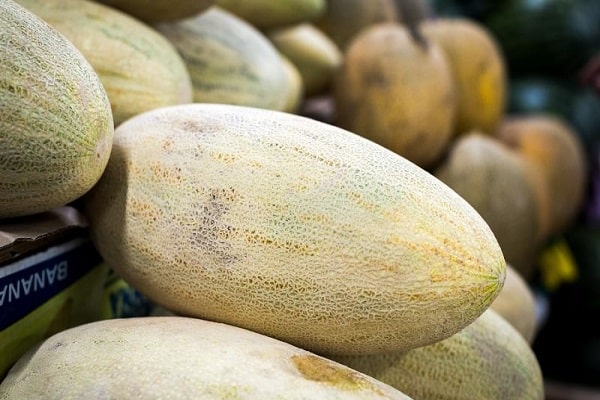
(56, 125)
(292, 228)
(295, 87)
(153, 11)
(488, 360)
(180, 358)
(139, 68)
(229, 60)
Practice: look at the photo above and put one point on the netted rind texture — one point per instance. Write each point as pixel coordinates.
(292, 228)
(180, 358)
(487, 360)
(139, 68)
(56, 125)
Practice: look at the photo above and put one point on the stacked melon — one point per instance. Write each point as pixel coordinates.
(286, 246)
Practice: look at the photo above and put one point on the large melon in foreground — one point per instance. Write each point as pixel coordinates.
(290, 227)
(56, 125)
(180, 358)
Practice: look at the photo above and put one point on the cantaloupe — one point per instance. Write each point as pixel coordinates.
(56, 125)
(139, 68)
(488, 360)
(180, 358)
(478, 71)
(153, 11)
(397, 93)
(229, 60)
(269, 14)
(290, 227)
(494, 180)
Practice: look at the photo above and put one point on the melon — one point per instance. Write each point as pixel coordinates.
(139, 68)
(397, 93)
(295, 87)
(153, 11)
(315, 55)
(344, 19)
(478, 71)
(229, 60)
(516, 304)
(180, 358)
(292, 228)
(487, 360)
(494, 179)
(557, 163)
(56, 124)
(269, 14)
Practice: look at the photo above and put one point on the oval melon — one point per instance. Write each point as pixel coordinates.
(295, 87)
(478, 71)
(557, 163)
(344, 19)
(229, 61)
(487, 360)
(516, 304)
(56, 125)
(139, 68)
(268, 14)
(180, 358)
(153, 11)
(396, 93)
(292, 228)
(494, 180)
(316, 57)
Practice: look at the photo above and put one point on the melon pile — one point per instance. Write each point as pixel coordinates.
(294, 202)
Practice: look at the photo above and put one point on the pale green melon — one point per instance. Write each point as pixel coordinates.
(488, 360)
(180, 358)
(56, 125)
(290, 227)
(139, 68)
(229, 61)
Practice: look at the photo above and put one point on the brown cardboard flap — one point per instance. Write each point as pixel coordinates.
(22, 235)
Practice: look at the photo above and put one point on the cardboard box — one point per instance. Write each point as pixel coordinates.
(52, 278)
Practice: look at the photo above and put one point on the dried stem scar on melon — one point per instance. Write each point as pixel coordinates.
(56, 125)
(290, 227)
(180, 358)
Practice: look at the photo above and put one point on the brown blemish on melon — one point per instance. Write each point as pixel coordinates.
(319, 369)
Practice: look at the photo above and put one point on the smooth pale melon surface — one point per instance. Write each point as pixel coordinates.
(516, 304)
(56, 125)
(180, 358)
(229, 60)
(488, 360)
(153, 11)
(139, 68)
(292, 228)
